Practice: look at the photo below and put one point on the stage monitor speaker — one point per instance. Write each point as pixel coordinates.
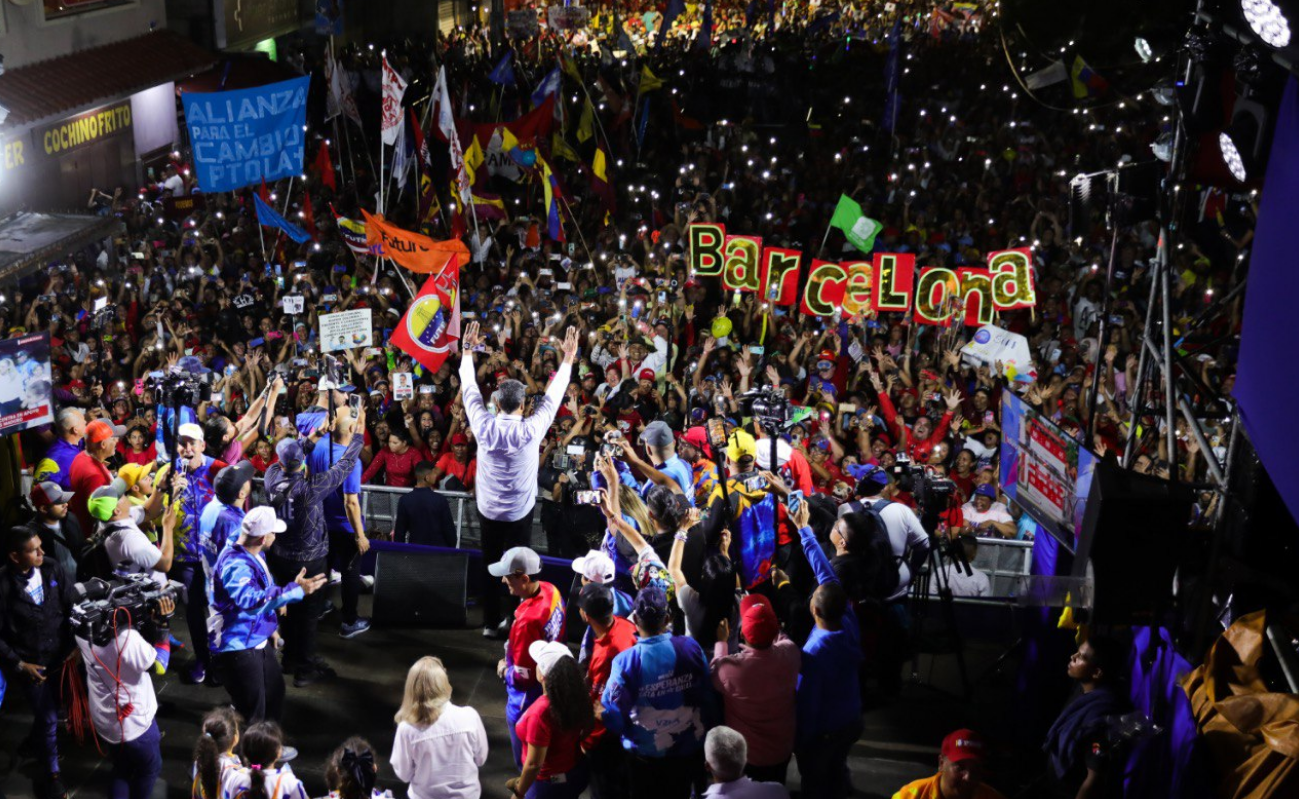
(419, 588)
(1133, 534)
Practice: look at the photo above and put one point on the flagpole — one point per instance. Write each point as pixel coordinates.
(576, 224)
(287, 195)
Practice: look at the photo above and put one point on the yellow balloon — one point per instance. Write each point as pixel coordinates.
(721, 327)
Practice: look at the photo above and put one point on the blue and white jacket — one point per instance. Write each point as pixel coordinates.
(656, 696)
(245, 597)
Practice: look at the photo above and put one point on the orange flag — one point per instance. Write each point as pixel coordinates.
(415, 252)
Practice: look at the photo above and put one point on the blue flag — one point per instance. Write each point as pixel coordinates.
(269, 217)
(549, 85)
(503, 74)
(245, 136)
(674, 9)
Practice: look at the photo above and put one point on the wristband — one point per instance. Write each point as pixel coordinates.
(680, 535)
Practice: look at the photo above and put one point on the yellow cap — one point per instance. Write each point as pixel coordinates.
(133, 473)
(741, 445)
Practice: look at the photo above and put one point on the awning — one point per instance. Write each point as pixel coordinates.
(60, 86)
(28, 240)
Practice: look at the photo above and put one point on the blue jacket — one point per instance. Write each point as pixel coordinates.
(299, 502)
(246, 598)
(217, 524)
(829, 695)
(656, 695)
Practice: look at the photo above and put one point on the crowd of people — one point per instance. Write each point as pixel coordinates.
(589, 371)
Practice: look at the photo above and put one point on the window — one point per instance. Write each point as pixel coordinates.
(58, 9)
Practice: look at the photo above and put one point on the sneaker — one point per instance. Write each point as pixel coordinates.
(288, 753)
(334, 577)
(326, 610)
(197, 673)
(313, 675)
(355, 628)
(54, 788)
(175, 642)
(367, 582)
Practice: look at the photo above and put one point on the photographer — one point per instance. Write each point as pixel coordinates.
(752, 511)
(664, 468)
(571, 525)
(122, 701)
(35, 638)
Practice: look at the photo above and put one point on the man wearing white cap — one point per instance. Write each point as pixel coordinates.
(539, 617)
(597, 567)
(246, 600)
(200, 470)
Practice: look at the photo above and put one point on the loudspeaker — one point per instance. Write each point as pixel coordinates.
(419, 587)
(1133, 535)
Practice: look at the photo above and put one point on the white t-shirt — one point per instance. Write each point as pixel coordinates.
(974, 584)
(997, 512)
(112, 684)
(175, 184)
(441, 761)
(130, 550)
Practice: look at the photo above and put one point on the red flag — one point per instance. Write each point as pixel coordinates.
(325, 167)
(266, 195)
(431, 325)
(309, 215)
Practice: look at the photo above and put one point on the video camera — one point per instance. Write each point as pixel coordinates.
(768, 404)
(181, 389)
(96, 604)
(931, 493)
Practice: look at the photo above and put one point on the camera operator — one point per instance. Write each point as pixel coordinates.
(126, 547)
(35, 637)
(246, 599)
(752, 511)
(123, 705)
(571, 525)
(910, 545)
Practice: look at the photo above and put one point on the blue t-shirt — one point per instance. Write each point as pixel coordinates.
(319, 462)
(680, 471)
(217, 524)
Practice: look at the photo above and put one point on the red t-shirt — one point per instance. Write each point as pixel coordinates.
(464, 472)
(538, 728)
(84, 476)
(620, 638)
(145, 458)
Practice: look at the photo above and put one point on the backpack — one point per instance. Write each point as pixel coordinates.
(881, 583)
(94, 560)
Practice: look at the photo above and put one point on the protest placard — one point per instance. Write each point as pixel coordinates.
(345, 330)
(403, 386)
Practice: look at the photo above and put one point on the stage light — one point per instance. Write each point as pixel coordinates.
(1267, 20)
(1244, 142)
(1144, 51)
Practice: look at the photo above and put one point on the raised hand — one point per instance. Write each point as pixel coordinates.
(470, 338)
(569, 346)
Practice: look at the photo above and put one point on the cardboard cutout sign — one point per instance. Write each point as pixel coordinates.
(706, 241)
(1012, 279)
(825, 287)
(743, 259)
(857, 289)
(780, 275)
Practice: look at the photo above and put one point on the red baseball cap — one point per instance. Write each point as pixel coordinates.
(758, 621)
(647, 374)
(99, 430)
(696, 437)
(964, 745)
(459, 438)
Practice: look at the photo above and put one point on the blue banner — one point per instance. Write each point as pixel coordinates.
(269, 217)
(246, 136)
(329, 17)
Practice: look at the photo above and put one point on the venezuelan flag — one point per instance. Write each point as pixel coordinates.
(1087, 82)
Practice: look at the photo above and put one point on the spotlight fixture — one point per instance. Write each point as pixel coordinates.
(1144, 51)
(1244, 142)
(1268, 21)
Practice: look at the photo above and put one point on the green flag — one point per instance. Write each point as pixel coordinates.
(856, 226)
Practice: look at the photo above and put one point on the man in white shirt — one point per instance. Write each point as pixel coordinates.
(123, 704)
(725, 753)
(509, 448)
(128, 548)
(975, 583)
(985, 516)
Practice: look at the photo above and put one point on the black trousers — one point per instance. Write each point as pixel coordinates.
(776, 773)
(346, 558)
(254, 681)
(499, 536)
(298, 624)
(665, 777)
(608, 768)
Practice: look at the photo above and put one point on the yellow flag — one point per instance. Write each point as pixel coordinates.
(598, 165)
(648, 81)
(563, 149)
(474, 158)
(586, 125)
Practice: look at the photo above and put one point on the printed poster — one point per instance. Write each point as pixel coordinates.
(25, 395)
(346, 330)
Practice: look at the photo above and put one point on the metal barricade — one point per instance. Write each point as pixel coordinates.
(379, 514)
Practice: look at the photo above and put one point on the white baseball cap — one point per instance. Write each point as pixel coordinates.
(191, 431)
(261, 522)
(595, 566)
(516, 559)
(546, 654)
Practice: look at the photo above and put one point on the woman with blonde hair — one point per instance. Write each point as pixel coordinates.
(439, 747)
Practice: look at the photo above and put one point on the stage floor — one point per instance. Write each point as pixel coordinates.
(900, 742)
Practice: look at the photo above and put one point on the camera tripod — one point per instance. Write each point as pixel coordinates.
(920, 598)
